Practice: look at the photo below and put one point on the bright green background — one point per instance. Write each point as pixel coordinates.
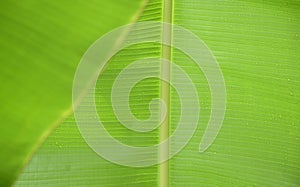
(256, 44)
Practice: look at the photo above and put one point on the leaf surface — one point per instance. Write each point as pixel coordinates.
(256, 45)
(41, 44)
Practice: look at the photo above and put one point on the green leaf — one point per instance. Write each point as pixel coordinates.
(41, 44)
(256, 46)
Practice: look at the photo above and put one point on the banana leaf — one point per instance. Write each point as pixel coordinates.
(256, 46)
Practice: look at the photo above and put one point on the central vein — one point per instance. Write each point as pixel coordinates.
(165, 92)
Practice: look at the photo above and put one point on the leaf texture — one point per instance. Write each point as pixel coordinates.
(256, 45)
(41, 44)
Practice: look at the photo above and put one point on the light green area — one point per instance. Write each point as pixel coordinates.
(256, 44)
(257, 47)
(41, 44)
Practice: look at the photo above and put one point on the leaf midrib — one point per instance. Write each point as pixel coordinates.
(167, 13)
